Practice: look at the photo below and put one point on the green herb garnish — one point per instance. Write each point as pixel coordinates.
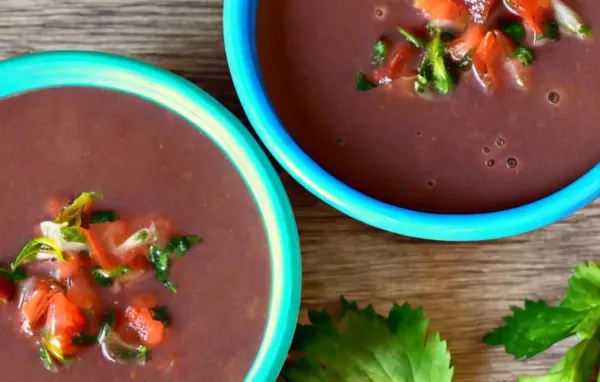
(360, 345)
(159, 257)
(434, 74)
(46, 359)
(33, 248)
(180, 245)
(363, 83)
(538, 326)
(418, 42)
(84, 340)
(105, 278)
(380, 51)
(117, 349)
(17, 274)
(160, 314)
(551, 32)
(569, 20)
(142, 236)
(73, 213)
(513, 29)
(103, 217)
(527, 56)
(72, 235)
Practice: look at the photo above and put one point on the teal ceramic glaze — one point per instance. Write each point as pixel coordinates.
(44, 70)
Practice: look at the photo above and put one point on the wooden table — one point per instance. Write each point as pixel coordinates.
(464, 288)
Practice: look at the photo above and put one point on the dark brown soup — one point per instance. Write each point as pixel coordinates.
(144, 160)
(460, 153)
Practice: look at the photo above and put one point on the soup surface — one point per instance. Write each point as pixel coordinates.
(143, 159)
(464, 152)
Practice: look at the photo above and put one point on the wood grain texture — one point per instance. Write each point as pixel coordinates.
(464, 288)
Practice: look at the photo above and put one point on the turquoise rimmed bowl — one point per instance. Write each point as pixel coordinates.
(44, 70)
(240, 43)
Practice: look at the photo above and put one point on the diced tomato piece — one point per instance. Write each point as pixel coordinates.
(113, 233)
(486, 61)
(444, 13)
(479, 9)
(7, 290)
(99, 252)
(73, 264)
(149, 330)
(55, 205)
(536, 13)
(399, 64)
(508, 46)
(35, 300)
(82, 293)
(64, 321)
(464, 45)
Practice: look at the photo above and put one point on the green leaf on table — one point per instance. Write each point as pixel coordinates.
(534, 328)
(360, 345)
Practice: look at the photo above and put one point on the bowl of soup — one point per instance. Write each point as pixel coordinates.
(146, 235)
(434, 119)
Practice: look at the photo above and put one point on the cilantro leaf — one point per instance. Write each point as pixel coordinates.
(416, 41)
(159, 257)
(105, 278)
(380, 51)
(359, 344)
(161, 314)
(363, 83)
(513, 29)
(103, 217)
(72, 235)
(180, 245)
(583, 291)
(434, 74)
(527, 56)
(17, 274)
(577, 365)
(534, 329)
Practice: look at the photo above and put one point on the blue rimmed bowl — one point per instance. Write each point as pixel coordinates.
(240, 44)
(86, 69)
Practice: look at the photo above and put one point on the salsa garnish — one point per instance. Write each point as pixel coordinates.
(467, 35)
(58, 276)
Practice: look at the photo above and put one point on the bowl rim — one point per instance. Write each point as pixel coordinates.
(239, 24)
(101, 70)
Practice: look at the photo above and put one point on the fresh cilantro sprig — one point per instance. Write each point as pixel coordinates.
(536, 327)
(360, 345)
(161, 257)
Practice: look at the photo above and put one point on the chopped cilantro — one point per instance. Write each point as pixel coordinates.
(551, 31)
(527, 56)
(160, 259)
(105, 278)
(513, 29)
(181, 244)
(161, 314)
(84, 339)
(46, 359)
(360, 345)
(363, 83)
(418, 42)
(434, 74)
(103, 217)
(380, 51)
(16, 274)
(142, 235)
(72, 235)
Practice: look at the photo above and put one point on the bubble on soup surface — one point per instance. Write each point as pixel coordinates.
(340, 142)
(500, 142)
(380, 12)
(486, 150)
(511, 162)
(553, 98)
(490, 163)
(431, 183)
